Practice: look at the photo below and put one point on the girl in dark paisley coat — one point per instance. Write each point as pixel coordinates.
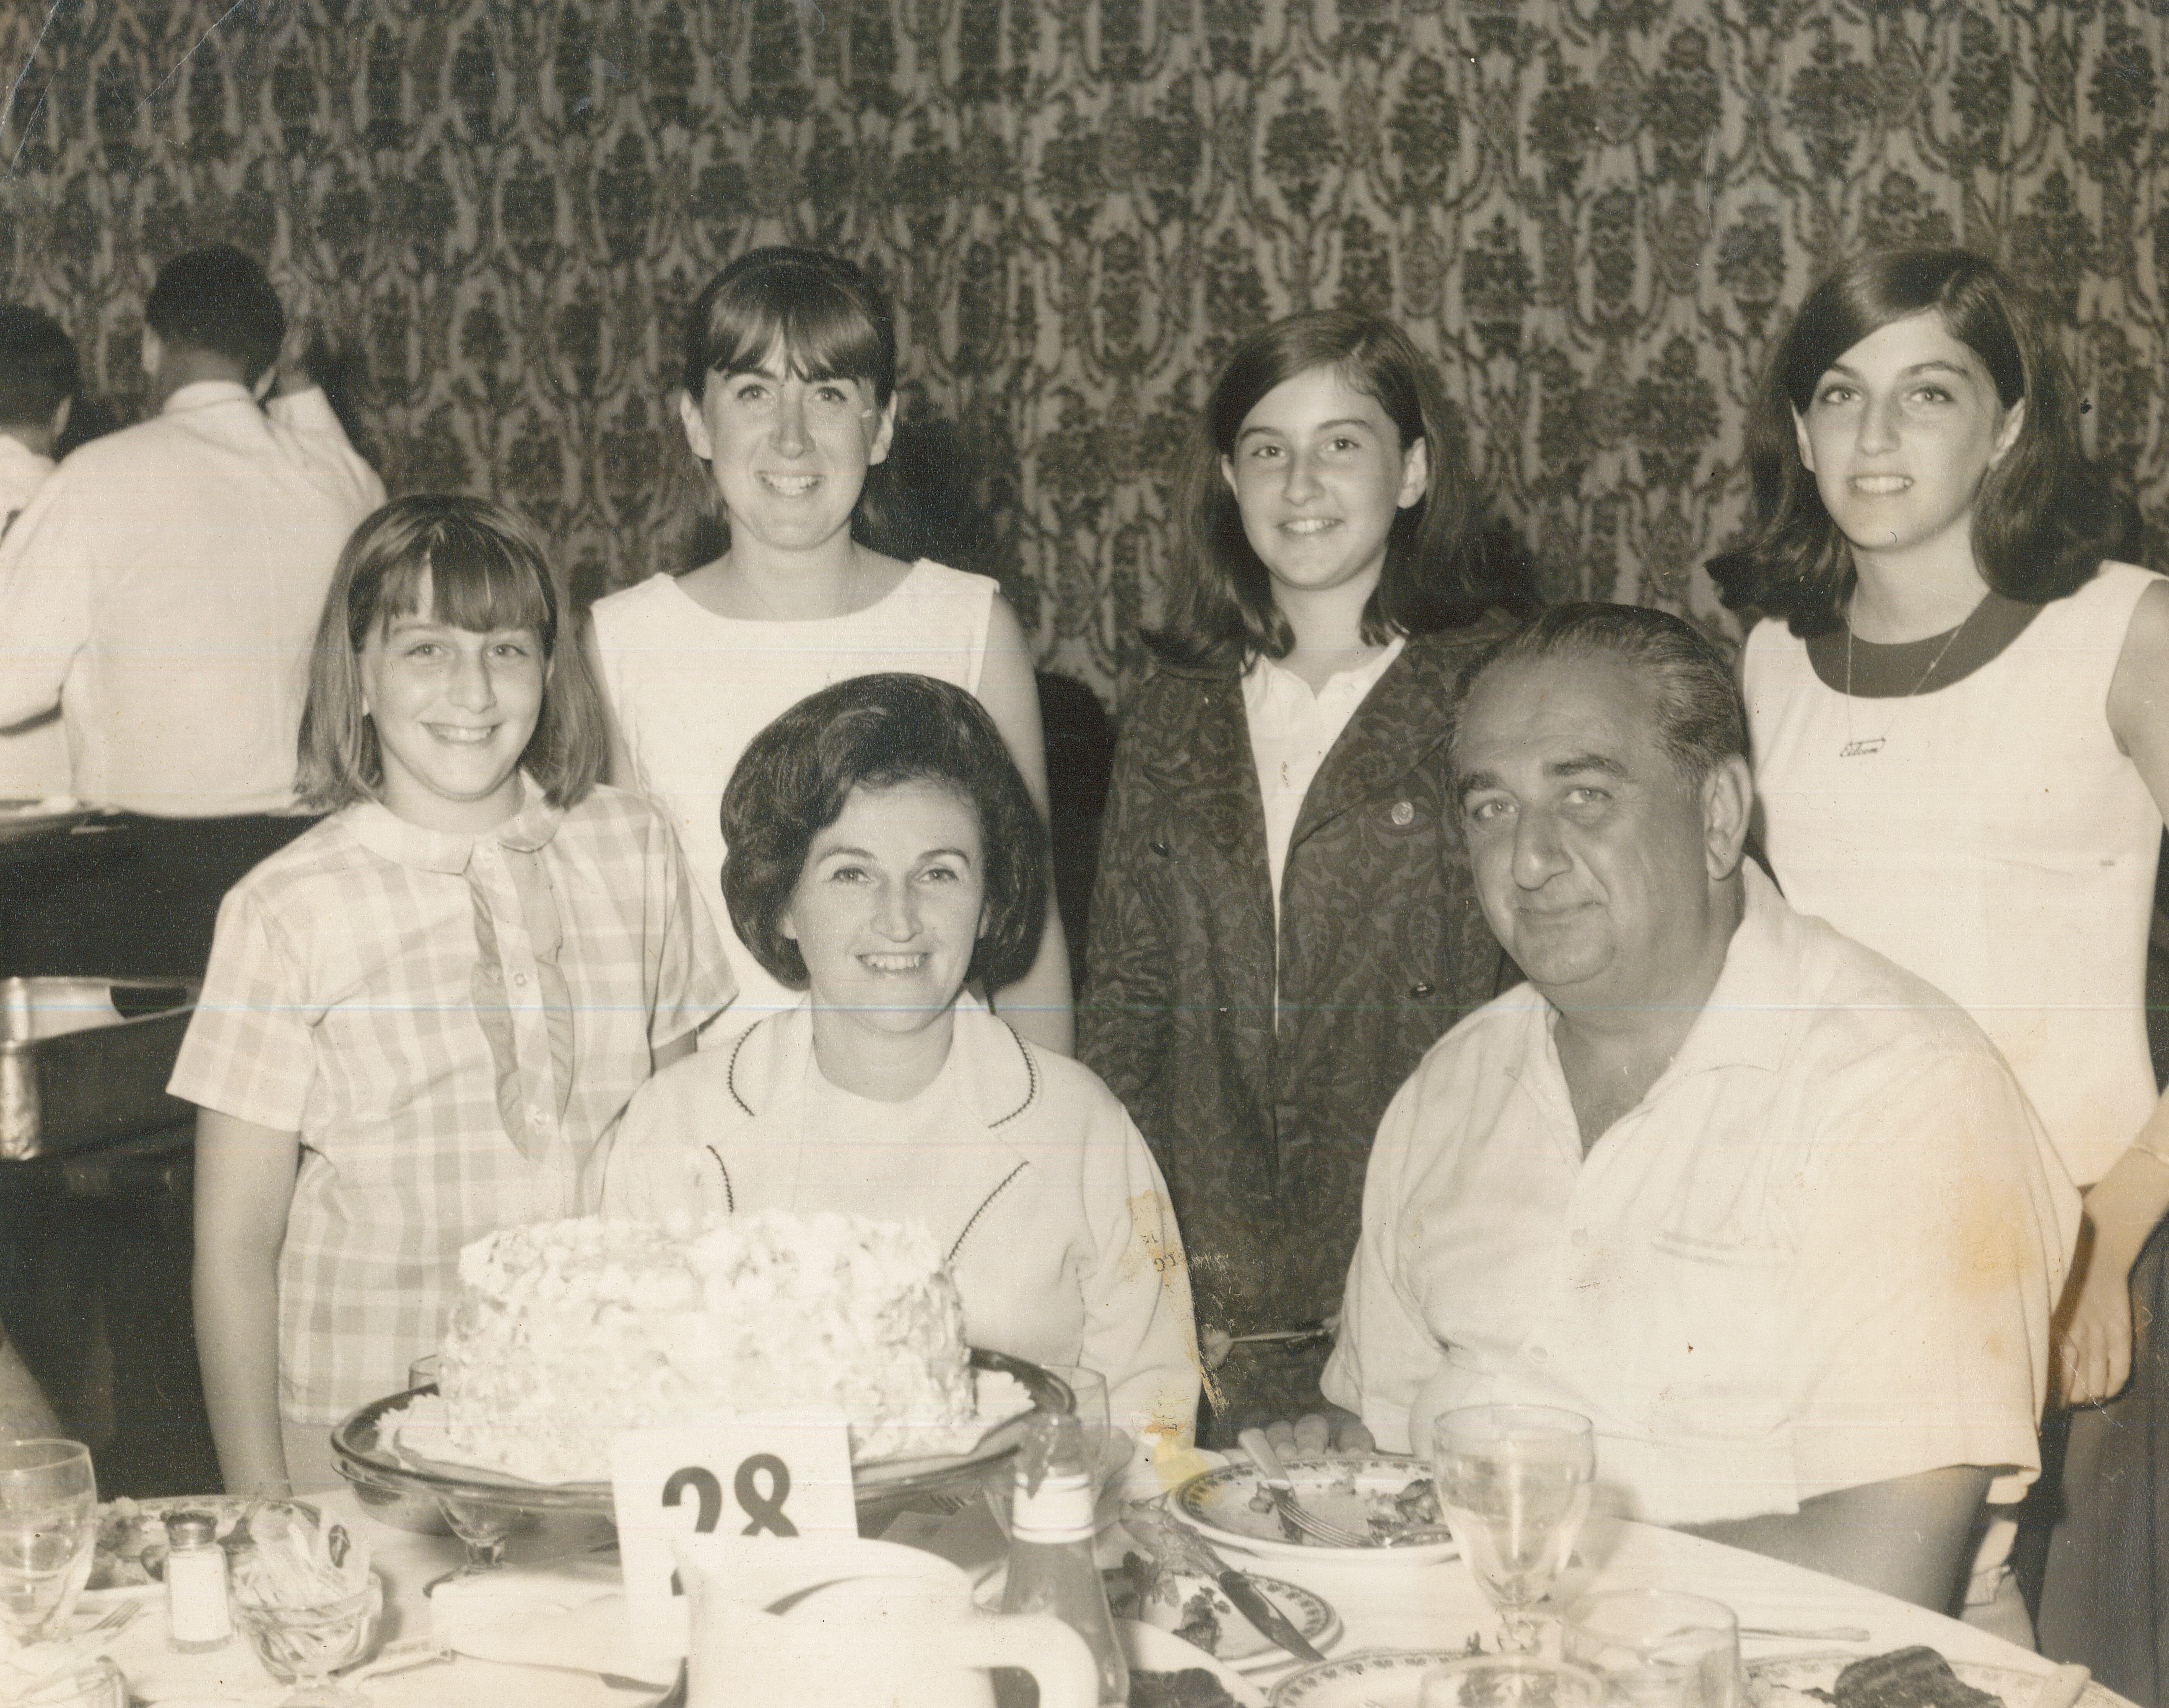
(1283, 923)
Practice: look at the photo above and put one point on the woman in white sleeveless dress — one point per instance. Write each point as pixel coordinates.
(790, 398)
(1960, 719)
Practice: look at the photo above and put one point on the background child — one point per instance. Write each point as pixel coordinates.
(1962, 752)
(1282, 923)
(437, 1001)
(789, 400)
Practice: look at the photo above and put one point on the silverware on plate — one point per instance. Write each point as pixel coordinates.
(1183, 1550)
(1296, 1518)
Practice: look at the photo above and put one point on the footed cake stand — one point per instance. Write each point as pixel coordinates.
(483, 1508)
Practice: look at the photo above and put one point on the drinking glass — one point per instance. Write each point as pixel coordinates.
(1657, 1648)
(305, 1645)
(1513, 1482)
(1106, 1449)
(48, 1527)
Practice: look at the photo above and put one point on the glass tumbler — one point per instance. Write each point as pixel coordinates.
(1658, 1648)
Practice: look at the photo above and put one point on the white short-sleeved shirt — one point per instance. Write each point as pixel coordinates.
(163, 587)
(387, 992)
(691, 689)
(1821, 1252)
(34, 757)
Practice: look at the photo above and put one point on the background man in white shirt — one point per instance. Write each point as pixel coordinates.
(1768, 1210)
(39, 378)
(163, 587)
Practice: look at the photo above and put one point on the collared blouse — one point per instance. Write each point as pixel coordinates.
(452, 1024)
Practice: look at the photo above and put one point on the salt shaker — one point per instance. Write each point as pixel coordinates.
(196, 1606)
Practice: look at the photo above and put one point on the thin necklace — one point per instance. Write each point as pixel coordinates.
(1921, 681)
(1861, 747)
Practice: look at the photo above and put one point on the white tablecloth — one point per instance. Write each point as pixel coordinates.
(1387, 1606)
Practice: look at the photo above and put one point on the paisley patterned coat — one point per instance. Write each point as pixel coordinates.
(1263, 1127)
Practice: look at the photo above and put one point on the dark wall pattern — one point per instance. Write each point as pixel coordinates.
(1596, 212)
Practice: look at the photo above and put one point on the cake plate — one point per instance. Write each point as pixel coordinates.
(483, 1508)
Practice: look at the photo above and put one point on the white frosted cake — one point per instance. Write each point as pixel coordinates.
(569, 1331)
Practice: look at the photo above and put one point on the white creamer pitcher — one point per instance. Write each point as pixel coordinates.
(848, 1623)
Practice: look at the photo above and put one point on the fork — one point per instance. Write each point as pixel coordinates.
(1273, 1478)
(115, 1618)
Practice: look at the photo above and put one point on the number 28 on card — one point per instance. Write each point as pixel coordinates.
(749, 1477)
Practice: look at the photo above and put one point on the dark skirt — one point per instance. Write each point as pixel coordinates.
(2105, 1584)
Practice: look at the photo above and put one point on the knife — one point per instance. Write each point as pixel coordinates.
(1187, 1552)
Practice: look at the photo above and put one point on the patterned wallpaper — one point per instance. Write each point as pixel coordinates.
(1595, 212)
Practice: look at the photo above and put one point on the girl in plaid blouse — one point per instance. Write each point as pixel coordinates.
(421, 1017)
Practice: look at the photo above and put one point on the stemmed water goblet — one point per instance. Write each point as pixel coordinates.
(48, 1529)
(1513, 1483)
(481, 1524)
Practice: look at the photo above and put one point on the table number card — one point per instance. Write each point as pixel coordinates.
(753, 1476)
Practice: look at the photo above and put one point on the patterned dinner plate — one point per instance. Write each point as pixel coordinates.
(1375, 1678)
(1210, 1620)
(1365, 1494)
(1791, 1681)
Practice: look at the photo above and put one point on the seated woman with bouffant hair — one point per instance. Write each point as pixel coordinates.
(884, 854)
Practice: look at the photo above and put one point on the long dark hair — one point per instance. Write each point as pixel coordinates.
(1220, 605)
(2044, 518)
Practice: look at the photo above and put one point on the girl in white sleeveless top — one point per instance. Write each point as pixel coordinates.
(1961, 743)
(790, 398)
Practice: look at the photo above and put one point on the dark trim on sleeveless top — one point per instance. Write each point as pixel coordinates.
(1883, 671)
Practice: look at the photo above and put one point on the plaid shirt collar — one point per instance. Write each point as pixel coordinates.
(383, 832)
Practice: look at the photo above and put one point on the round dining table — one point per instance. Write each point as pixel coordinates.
(545, 1631)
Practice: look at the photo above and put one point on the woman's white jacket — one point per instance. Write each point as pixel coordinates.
(1053, 1212)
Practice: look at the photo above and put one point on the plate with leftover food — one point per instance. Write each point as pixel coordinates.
(1910, 1678)
(131, 1547)
(1374, 1679)
(1197, 1610)
(1165, 1672)
(1380, 1495)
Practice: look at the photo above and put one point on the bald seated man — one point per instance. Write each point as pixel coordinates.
(1769, 1210)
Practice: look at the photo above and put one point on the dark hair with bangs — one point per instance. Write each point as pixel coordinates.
(1701, 720)
(874, 732)
(484, 569)
(38, 368)
(2044, 518)
(825, 320)
(826, 317)
(1220, 605)
(219, 298)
